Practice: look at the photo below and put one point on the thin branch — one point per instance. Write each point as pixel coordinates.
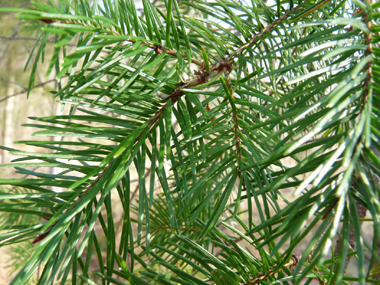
(293, 262)
(29, 39)
(18, 38)
(26, 89)
(9, 43)
(12, 82)
(170, 229)
(24, 43)
(227, 244)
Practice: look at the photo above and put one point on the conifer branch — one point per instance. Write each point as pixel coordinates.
(202, 76)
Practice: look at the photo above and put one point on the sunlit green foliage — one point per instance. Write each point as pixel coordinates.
(202, 101)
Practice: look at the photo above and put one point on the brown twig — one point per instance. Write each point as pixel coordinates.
(293, 262)
(169, 229)
(236, 123)
(258, 36)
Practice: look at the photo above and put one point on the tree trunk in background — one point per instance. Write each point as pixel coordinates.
(8, 128)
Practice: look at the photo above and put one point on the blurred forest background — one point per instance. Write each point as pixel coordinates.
(17, 39)
(16, 43)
